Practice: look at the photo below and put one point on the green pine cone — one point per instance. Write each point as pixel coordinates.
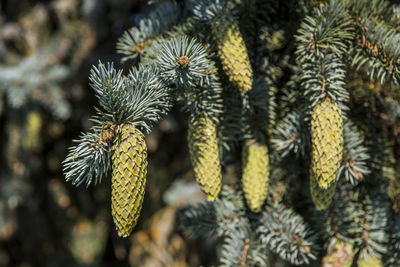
(233, 53)
(128, 178)
(341, 254)
(204, 154)
(322, 198)
(327, 142)
(255, 165)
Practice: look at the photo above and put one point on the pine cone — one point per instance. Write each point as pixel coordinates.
(327, 142)
(255, 164)
(128, 178)
(204, 154)
(233, 53)
(322, 198)
(369, 262)
(341, 255)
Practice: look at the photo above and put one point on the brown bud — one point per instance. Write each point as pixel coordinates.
(183, 61)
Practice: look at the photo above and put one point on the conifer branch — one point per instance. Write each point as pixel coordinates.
(245, 250)
(184, 63)
(207, 10)
(108, 85)
(355, 160)
(378, 50)
(89, 160)
(292, 97)
(393, 256)
(381, 159)
(340, 223)
(286, 234)
(262, 104)
(328, 30)
(136, 40)
(378, 9)
(211, 219)
(150, 99)
(139, 98)
(374, 224)
(291, 135)
(241, 248)
(322, 41)
(235, 249)
(231, 130)
(376, 43)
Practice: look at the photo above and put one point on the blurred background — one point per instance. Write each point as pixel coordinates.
(46, 51)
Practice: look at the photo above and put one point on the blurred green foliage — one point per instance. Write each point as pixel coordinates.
(46, 50)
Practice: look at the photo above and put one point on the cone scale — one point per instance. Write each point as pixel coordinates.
(129, 163)
(204, 155)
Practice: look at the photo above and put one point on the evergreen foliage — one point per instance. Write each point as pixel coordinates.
(283, 90)
(20, 82)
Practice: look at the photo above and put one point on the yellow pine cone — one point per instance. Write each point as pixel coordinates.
(33, 127)
(327, 142)
(129, 163)
(204, 155)
(255, 165)
(340, 255)
(233, 53)
(322, 198)
(369, 262)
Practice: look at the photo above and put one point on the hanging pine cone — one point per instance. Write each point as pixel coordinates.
(204, 154)
(340, 255)
(128, 178)
(322, 198)
(255, 167)
(233, 53)
(327, 142)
